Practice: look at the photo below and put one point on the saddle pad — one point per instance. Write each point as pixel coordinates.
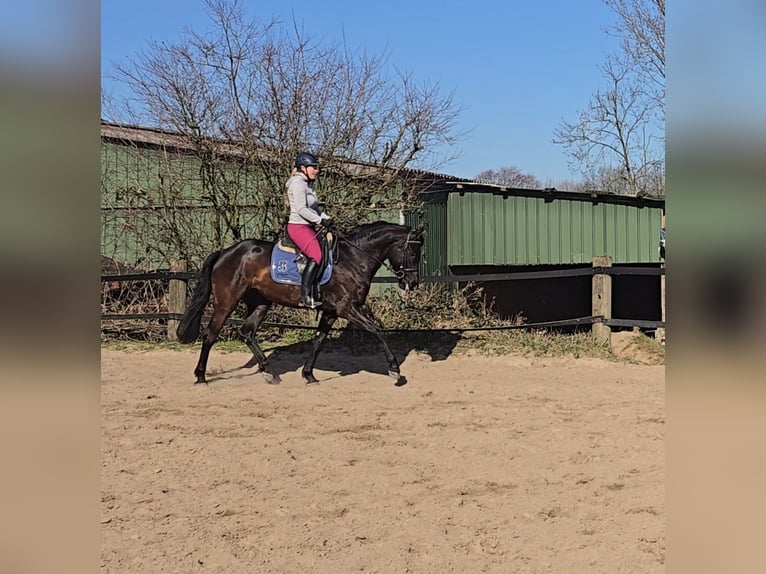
(284, 269)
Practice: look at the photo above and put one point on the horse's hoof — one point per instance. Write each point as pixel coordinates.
(400, 379)
(251, 363)
(271, 379)
(201, 381)
(310, 380)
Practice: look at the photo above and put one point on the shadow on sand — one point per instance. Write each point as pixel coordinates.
(352, 352)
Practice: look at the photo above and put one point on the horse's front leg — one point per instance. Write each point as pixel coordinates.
(325, 324)
(362, 320)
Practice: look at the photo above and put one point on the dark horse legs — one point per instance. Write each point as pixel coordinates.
(360, 319)
(225, 304)
(325, 324)
(257, 307)
(208, 340)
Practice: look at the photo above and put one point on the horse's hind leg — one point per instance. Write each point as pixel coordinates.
(222, 309)
(211, 335)
(257, 308)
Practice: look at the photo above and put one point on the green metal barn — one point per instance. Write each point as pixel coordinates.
(476, 224)
(476, 228)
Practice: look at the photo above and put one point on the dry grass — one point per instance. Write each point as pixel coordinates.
(432, 319)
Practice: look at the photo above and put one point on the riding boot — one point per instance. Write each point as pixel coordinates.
(307, 285)
(315, 295)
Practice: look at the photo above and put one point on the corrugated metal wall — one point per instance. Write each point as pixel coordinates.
(433, 216)
(503, 229)
(140, 188)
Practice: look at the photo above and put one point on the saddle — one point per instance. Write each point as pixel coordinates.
(288, 261)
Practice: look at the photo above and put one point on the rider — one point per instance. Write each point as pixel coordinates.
(305, 214)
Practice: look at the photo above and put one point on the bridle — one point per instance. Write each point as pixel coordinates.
(402, 270)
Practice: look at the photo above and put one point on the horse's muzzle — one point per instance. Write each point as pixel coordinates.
(408, 284)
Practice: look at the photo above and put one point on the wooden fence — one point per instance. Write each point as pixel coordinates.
(600, 320)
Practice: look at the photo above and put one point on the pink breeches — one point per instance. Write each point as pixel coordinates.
(304, 237)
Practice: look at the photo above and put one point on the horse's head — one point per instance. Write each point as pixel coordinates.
(405, 258)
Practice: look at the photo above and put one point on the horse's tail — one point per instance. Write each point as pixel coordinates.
(188, 328)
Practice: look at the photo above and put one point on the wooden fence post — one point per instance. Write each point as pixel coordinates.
(176, 298)
(659, 334)
(602, 300)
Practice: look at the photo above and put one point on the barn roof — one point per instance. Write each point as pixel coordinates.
(156, 137)
(447, 183)
(551, 193)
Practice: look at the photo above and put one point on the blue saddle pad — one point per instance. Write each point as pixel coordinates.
(285, 270)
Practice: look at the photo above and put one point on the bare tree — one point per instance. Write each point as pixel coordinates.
(510, 177)
(617, 141)
(610, 141)
(264, 91)
(641, 27)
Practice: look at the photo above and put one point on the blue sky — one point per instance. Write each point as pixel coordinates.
(518, 68)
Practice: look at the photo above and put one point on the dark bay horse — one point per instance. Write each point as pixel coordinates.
(242, 273)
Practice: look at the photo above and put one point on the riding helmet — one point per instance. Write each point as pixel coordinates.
(306, 159)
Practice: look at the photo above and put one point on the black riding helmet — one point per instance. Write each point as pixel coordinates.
(305, 159)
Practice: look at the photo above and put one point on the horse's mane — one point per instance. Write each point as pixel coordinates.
(359, 234)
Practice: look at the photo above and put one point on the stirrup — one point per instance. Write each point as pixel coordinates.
(311, 303)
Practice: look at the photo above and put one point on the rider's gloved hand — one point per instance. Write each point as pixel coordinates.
(326, 222)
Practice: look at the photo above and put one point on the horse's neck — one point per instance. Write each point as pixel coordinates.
(380, 245)
(375, 250)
